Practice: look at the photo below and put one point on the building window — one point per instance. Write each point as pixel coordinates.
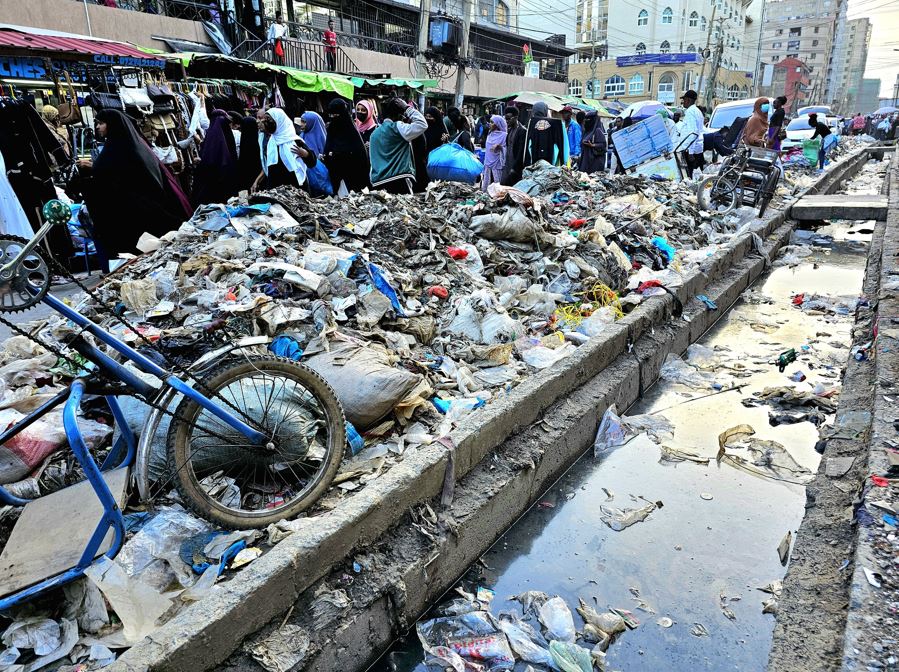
(635, 86)
(694, 19)
(795, 32)
(643, 18)
(688, 79)
(667, 15)
(814, 43)
(779, 31)
(502, 13)
(733, 92)
(817, 28)
(575, 88)
(812, 56)
(777, 45)
(666, 88)
(641, 48)
(614, 86)
(703, 24)
(691, 48)
(665, 47)
(485, 8)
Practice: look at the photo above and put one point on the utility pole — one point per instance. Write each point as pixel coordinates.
(708, 41)
(421, 62)
(757, 73)
(713, 76)
(593, 64)
(463, 53)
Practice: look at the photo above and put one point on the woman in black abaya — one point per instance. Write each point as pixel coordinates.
(249, 164)
(215, 178)
(127, 190)
(345, 154)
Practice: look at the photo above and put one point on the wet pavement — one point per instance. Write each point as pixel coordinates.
(714, 541)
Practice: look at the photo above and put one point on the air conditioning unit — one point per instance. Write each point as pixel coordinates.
(444, 36)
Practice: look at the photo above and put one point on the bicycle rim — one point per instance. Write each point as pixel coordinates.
(226, 478)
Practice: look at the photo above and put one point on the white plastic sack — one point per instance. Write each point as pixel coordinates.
(512, 225)
(541, 357)
(524, 647)
(611, 432)
(363, 379)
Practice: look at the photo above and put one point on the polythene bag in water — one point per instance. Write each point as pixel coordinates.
(453, 163)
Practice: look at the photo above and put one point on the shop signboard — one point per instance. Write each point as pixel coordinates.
(34, 68)
(661, 59)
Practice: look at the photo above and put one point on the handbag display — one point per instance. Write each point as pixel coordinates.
(136, 97)
(106, 101)
(69, 112)
(162, 97)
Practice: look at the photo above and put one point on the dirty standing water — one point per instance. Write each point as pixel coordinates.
(702, 557)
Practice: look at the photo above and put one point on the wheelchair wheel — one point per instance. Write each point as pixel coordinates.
(717, 194)
(224, 478)
(768, 194)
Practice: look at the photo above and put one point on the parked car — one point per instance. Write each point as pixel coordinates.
(814, 109)
(725, 113)
(799, 130)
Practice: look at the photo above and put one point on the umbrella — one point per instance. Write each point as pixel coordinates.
(613, 106)
(641, 110)
(887, 110)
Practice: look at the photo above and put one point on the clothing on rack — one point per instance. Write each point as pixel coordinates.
(13, 221)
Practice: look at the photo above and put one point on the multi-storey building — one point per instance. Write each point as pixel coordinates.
(812, 31)
(638, 49)
(858, 39)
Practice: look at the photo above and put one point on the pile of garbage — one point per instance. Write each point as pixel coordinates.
(416, 309)
(465, 636)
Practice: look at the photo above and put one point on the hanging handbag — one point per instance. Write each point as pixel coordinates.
(69, 112)
(162, 97)
(137, 98)
(106, 101)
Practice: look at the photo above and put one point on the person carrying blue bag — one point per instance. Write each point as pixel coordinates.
(390, 151)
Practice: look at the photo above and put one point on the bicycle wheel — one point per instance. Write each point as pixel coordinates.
(717, 194)
(222, 477)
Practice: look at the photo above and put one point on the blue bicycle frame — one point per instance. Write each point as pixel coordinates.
(112, 515)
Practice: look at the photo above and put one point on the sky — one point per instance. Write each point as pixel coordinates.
(883, 62)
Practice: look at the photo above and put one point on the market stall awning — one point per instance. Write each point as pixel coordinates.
(25, 38)
(298, 80)
(359, 82)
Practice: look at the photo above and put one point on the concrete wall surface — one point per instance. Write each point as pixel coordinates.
(106, 22)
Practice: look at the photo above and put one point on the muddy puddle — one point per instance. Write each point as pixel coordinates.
(702, 556)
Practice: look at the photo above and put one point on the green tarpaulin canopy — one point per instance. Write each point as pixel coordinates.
(411, 83)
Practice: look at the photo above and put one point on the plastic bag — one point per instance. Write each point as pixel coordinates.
(319, 180)
(492, 648)
(611, 432)
(597, 322)
(676, 370)
(135, 603)
(541, 357)
(453, 163)
(557, 619)
(570, 657)
(810, 150)
(512, 225)
(526, 649)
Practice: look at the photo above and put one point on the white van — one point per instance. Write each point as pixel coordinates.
(725, 113)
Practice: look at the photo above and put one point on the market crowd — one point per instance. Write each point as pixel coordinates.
(127, 187)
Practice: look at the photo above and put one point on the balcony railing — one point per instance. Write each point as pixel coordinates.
(300, 54)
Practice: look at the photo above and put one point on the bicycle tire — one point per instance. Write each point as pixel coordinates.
(770, 186)
(181, 458)
(704, 198)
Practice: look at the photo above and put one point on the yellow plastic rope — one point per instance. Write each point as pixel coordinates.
(602, 295)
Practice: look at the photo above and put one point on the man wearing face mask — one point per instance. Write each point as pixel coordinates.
(756, 129)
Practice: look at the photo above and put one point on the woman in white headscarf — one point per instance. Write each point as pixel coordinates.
(285, 157)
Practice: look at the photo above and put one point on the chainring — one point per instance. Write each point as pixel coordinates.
(31, 281)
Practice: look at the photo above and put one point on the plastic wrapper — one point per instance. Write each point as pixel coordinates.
(570, 657)
(524, 647)
(611, 432)
(541, 357)
(619, 519)
(439, 631)
(493, 649)
(556, 617)
(676, 370)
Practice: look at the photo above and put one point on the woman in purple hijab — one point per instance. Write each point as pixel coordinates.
(494, 152)
(215, 178)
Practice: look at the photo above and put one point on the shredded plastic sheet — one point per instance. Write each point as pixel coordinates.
(620, 519)
(738, 447)
(280, 650)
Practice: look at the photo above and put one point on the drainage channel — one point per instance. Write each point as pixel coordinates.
(690, 573)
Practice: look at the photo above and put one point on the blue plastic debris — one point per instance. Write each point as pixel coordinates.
(664, 247)
(381, 284)
(441, 405)
(711, 305)
(286, 346)
(243, 210)
(191, 551)
(353, 439)
(890, 520)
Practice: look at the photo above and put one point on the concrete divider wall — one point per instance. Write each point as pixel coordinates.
(612, 368)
